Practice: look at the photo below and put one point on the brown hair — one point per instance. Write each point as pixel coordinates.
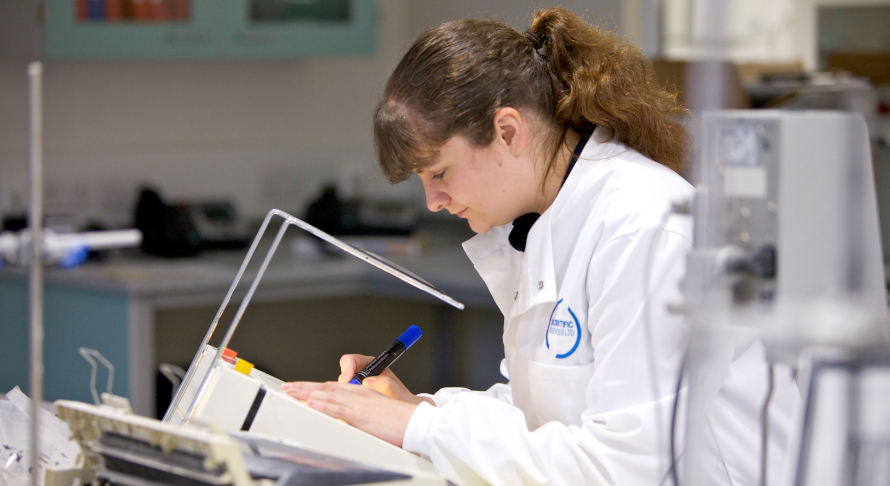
(573, 76)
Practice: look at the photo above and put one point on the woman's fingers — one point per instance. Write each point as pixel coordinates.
(350, 364)
(382, 384)
(302, 389)
(359, 406)
(389, 385)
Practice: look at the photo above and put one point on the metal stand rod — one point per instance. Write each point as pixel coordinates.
(35, 221)
(703, 356)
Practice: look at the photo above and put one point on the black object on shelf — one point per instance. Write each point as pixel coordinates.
(184, 229)
(359, 217)
(15, 222)
(167, 230)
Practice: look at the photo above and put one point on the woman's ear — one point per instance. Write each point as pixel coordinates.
(510, 130)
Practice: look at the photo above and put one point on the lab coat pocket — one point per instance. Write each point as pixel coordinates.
(558, 392)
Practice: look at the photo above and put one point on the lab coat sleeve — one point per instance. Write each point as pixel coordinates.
(623, 436)
(498, 391)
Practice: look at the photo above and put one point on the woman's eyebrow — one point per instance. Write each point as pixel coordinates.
(431, 167)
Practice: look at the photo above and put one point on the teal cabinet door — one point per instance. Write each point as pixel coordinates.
(282, 28)
(67, 36)
(208, 29)
(73, 318)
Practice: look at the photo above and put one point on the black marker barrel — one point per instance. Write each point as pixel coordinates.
(389, 356)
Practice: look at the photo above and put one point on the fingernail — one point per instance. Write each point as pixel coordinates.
(286, 386)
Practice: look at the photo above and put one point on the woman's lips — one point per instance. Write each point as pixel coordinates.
(461, 214)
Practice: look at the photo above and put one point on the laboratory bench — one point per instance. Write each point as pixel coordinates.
(140, 311)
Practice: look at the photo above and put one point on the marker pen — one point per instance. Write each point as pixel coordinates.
(388, 357)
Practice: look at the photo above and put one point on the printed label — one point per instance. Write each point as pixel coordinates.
(563, 331)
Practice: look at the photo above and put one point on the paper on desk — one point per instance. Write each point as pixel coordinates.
(56, 446)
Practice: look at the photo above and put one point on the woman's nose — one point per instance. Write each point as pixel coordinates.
(435, 199)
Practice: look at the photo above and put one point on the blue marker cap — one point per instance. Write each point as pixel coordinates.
(410, 336)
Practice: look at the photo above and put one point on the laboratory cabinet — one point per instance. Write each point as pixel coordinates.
(208, 29)
(73, 318)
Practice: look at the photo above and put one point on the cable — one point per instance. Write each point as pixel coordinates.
(764, 262)
(764, 425)
(721, 264)
(674, 409)
(681, 208)
(647, 325)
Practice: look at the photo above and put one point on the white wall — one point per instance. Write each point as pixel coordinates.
(197, 128)
(264, 132)
(755, 31)
(808, 34)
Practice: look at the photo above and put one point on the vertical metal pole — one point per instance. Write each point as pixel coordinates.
(653, 29)
(706, 87)
(35, 221)
(707, 77)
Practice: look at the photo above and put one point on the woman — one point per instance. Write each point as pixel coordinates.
(558, 149)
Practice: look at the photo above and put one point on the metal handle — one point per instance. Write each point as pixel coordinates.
(88, 354)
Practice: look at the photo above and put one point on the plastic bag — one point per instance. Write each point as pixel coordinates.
(56, 446)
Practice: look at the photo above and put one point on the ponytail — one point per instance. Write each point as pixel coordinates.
(605, 81)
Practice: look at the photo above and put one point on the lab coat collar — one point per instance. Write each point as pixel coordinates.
(602, 145)
(519, 281)
(498, 264)
(537, 283)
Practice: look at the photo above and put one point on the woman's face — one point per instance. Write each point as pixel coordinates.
(488, 186)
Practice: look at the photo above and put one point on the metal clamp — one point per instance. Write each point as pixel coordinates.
(88, 354)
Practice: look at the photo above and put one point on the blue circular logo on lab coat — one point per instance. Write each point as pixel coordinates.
(563, 333)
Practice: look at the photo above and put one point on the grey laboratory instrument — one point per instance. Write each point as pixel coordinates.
(787, 248)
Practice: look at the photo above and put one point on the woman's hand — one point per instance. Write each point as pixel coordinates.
(386, 383)
(360, 406)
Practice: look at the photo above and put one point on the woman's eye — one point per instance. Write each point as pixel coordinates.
(438, 176)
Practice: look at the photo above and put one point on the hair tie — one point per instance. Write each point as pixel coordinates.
(536, 40)
(537, 43)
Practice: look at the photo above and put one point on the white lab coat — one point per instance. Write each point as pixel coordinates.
(591, 379)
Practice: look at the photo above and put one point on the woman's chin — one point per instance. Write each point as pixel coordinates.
(479, 227)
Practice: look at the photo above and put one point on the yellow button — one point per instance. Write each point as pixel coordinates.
(243, 366)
